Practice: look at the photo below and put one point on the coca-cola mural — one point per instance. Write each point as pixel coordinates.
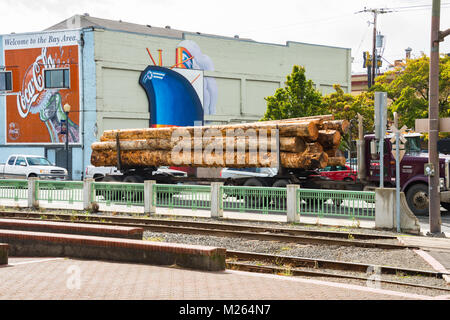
(34, 112)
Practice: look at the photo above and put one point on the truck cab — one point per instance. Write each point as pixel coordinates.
(413, 181)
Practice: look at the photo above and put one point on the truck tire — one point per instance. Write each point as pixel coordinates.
(253, 201)
(280, 203)
(132, 196)
(417, 199)
(446, 205)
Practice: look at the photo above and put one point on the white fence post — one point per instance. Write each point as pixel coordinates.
(32, 201)
(87, 191)
(216, 200)
(149, 208)
(291, 203)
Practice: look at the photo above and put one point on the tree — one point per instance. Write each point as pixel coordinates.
(298, 99)
(347, 106)
(407, 87)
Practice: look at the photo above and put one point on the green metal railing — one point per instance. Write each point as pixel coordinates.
(182, 196)
(61, 191)
(309, 202)
(129, 194)
(260, 199)
(336, 203)
(13, 189)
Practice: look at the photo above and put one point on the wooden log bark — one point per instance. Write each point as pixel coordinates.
(336, 161)
(340, 125)
(288, 144)
(314, 147)
(331, 152)
(295, 129)
(145, 158)
(329, 138)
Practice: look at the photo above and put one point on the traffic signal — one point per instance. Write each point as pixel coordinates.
(367, 59)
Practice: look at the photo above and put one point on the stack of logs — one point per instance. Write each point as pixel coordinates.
(308, 143)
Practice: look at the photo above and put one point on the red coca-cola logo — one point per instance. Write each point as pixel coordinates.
(33, 84)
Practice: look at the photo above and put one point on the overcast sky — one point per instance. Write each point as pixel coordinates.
(325, 22)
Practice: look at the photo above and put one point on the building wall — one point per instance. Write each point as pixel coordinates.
(86, 114)
(245, 72)
(34, 111)
(111, 62)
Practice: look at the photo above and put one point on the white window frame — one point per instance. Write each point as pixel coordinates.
(7, 90)
(57, 69)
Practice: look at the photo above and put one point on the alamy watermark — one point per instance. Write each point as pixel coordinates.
(214, 147)
(73, 282)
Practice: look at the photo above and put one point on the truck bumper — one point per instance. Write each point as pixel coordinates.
(445, 196)
(52, 177)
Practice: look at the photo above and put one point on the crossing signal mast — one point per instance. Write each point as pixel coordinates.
(373, 63)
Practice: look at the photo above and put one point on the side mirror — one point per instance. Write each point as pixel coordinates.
(23, 164)
(373, 148)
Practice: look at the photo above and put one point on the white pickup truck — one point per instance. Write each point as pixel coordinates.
(20, 166)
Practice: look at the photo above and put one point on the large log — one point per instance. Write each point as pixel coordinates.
(336, 161)
(314, 147)
(331, 152)
(306, 128)
(329, 138)
(340, 125)
(144, 158)
(288, 144)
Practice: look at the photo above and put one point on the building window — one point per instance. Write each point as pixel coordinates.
(57, 78)
(5, 81)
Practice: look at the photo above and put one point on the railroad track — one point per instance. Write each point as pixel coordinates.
(225, 230)
(311, 267)
(259, 262)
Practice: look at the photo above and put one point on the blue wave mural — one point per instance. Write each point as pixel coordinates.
(172, 99)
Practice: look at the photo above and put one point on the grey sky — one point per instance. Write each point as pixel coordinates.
(326, 22)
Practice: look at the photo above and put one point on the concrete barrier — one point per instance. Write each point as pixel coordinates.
(385, 212)
(3, 253)
(41, 244)
(72, 228)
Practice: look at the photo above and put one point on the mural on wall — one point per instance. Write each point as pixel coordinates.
(33, 111)
(180, 96)
(188, 49)
(172, 98)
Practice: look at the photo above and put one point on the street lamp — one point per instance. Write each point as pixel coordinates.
(67, 110)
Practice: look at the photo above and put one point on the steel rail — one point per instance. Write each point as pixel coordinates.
(212, 225)
(329, 264)
(298, 272)
(268, 236)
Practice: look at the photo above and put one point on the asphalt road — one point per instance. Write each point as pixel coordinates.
(445, 225)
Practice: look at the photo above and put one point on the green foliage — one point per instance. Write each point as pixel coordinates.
(297, 99)
(347, 106)
(408, 89)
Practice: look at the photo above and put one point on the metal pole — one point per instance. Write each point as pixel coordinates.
(381, 147)
(67, 143)
(397, 176)
(434, 198)
(374, 48)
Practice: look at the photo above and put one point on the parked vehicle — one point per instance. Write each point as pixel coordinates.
(339, 173)
(20, 166)
(98, 173)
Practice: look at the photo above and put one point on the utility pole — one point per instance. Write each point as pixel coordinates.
(374, 48)
(433, 128)
(375, 12)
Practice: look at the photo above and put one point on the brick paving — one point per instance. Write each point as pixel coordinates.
(62, 278)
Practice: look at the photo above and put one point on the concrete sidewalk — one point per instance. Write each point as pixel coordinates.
(59, 278)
